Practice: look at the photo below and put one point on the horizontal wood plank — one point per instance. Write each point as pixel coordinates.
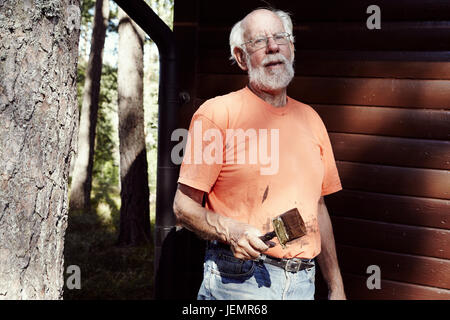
(352, 91)
(211, 85)
(400, 122)
(356, 289)
(429, 35)
(395, 266)
(421, 241)
(411, 93)
(397, 209)
(395, 180)
(332, 63)
(376, 64)
(420, 153)
(221, 12)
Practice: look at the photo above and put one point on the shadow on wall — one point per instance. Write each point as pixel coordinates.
(182, 281)
(394, 210)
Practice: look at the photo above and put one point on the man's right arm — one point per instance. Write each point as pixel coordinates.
(243, 238)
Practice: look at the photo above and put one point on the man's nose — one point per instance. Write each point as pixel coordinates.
(272, 46)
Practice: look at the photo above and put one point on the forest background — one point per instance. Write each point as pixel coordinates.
(110, 270)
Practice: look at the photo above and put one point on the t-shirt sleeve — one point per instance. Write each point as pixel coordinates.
(203, 156)
(331, 182)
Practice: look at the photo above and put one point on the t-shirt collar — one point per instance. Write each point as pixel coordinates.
(276, 110)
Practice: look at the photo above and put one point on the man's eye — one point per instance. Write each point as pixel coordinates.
(259, 41)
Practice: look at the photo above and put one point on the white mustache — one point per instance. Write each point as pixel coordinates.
(278, 57)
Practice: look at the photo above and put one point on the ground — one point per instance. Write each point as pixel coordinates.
(107, 271)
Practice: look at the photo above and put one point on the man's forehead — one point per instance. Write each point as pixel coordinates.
(261, 22)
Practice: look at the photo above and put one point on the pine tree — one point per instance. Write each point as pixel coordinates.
(39, 118)
(82, 174)
(134, 211)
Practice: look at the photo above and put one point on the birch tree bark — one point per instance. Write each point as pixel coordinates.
(134, 211)
(80, 192)
(38, 123)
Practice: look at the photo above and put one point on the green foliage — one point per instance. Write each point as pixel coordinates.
(87, 11)
(87, 17)
(81, 76)
(108, 271)
(105, 182)
(113, 23)
(164, 9)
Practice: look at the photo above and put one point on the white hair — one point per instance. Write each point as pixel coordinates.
(237, 32)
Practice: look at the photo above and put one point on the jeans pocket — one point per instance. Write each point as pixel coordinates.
(232, 267)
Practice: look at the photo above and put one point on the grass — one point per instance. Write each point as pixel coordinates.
(107, 271)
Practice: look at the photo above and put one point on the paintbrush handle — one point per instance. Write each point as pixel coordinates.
(269, 236)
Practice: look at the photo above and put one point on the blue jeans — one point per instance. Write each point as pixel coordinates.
(228, 278)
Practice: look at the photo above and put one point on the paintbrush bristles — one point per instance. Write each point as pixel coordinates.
(293, 223)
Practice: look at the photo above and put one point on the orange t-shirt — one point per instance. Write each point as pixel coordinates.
(256, 161)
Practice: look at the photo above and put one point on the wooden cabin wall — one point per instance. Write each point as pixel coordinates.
(384, 96)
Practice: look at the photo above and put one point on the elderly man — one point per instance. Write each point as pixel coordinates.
(241, 198)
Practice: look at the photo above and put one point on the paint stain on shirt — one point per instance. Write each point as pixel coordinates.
(265, 194)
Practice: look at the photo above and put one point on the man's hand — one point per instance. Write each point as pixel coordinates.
(243, 238)
(244, 241)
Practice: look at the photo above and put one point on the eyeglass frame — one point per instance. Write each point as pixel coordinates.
(286, 36)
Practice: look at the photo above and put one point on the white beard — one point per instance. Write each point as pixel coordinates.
(264, 79)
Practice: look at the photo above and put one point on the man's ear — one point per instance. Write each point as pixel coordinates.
(239, 54)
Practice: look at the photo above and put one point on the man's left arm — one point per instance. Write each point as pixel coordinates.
(327, 259)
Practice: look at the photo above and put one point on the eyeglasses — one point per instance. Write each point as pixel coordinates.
(262, 42)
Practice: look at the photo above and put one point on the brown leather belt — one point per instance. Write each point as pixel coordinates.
(290, 265)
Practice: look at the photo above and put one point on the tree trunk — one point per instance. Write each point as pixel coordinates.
(134, 211)
(80, 194)
(39, 119)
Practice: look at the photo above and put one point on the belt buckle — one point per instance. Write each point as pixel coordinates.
(293, 265)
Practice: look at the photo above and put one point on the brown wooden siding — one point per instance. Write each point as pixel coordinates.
(384, 96)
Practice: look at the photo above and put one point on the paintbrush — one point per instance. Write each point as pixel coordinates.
(287, 227)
